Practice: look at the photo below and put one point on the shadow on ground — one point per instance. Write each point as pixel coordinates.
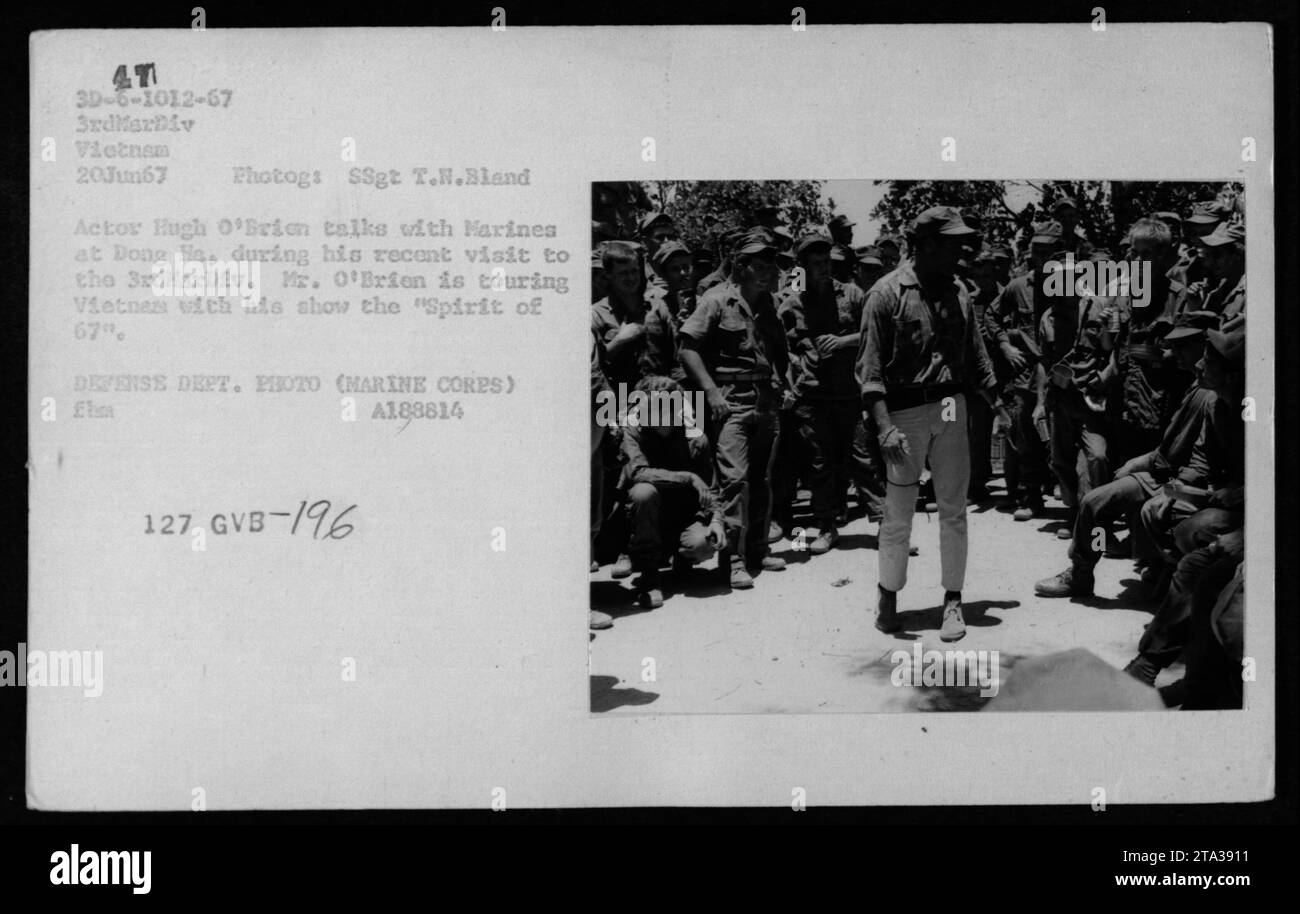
(613, 598)
(606, 696)
(1133, 596)
(933, 697)
(931, 619)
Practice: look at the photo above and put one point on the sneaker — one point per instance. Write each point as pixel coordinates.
(1065, 533)
(600, 620)
(1143, 669)
(1069, 583)
(740, 577)
(768, 563)
(887, 619)
(650, 597)
(954, 626)
(825, 541)
(622, 568)
(649, 593)
(1028, 512)
(774, 532)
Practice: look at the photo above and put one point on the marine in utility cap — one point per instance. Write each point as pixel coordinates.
(1208, 212)
(1002, 259)
(869, 268)
(755, 241)
(941, 220)
(869, 254)
(656, 228)
(1191, 324)
(726, 254)
(673, 264)
(809, 241)
(650, 220)
(1066, 211)
(1224, 288)
(1225, 233)
(1205, 217)
(890, 251)
(1011, 326)
(733, 348)
(703, 262)
(822, 321)
(1141, 482)
(669, 249)
(841, 229)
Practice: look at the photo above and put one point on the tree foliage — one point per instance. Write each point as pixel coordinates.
(616, 206)
(904, 200)
(705, 209)
(1106, 208)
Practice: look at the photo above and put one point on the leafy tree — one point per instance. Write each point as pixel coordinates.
(1106, 208)
(904, 200)
(1134, 199)
(616, 207)
(705, 209)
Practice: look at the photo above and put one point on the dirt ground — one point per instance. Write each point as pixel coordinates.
(802, 640)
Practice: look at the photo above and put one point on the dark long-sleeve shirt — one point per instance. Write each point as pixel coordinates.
(918, 338)
(659, 459)
(1150, 385)
(1175, 450)
(1218, 457)
(806, 316)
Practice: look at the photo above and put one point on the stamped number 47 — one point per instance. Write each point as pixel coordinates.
(143, 71)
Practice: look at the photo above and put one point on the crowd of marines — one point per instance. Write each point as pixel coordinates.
(895, 370)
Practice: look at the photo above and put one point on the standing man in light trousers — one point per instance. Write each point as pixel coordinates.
(921, 353)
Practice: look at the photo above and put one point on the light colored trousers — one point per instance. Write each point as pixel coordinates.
(938, 432)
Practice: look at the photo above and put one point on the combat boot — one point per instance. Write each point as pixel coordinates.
(887, 619)
(1072, 582)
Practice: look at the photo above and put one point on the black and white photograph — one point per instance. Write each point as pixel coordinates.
(1025, 396)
